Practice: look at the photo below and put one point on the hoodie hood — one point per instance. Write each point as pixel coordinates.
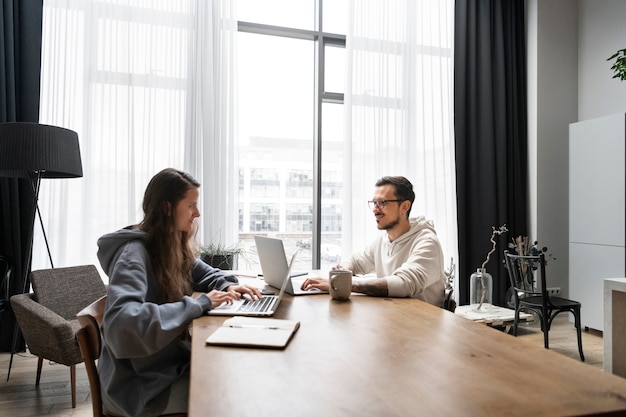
(109, 244)
(418, 225)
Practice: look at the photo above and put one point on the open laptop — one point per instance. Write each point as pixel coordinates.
(274, 266)
(262, 307)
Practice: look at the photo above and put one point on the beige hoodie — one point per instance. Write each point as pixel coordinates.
(412, 264)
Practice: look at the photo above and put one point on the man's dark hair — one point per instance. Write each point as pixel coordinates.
(404, 189)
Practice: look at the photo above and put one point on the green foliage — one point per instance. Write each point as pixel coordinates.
(619, 67)
(220, 256)
(220, 249)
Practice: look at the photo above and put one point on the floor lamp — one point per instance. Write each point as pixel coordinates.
(37, 151)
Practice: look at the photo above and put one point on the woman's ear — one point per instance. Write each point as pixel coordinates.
(167, 207)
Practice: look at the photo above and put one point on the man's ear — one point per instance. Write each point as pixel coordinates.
(406, 206)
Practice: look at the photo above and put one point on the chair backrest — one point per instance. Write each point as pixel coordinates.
(90, 341)
(522, 269)
(54, 287)
(449, 303)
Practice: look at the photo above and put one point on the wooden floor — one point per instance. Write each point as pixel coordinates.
(19, 397)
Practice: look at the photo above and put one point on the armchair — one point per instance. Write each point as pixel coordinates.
(47, 316)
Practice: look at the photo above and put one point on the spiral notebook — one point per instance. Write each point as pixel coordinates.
(254, 332)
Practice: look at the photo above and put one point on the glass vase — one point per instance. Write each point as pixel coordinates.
(481, 290)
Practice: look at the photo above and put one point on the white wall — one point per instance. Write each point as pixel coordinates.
(552, 82)
(602, 31)
(569, 80)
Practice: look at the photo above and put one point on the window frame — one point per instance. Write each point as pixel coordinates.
(321, 39)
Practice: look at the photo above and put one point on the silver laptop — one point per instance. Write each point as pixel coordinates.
(262, 307)
(274, 266)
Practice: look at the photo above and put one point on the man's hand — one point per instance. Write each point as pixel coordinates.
(315, 283)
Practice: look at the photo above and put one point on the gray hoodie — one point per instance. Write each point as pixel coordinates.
(142, 351)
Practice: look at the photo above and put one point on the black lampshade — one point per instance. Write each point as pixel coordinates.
(50, 151)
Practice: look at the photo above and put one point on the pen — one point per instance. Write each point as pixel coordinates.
(253, 326)
(246, 275)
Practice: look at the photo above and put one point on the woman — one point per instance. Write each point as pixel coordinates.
(153, 270)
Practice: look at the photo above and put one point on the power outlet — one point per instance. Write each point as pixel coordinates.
(554, 291)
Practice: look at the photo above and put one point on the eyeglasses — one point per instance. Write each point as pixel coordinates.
(381, 203)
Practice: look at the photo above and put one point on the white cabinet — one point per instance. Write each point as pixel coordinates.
(597, 215)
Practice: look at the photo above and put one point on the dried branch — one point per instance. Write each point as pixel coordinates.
(494, 232)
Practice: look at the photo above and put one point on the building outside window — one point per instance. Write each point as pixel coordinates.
(290, 106)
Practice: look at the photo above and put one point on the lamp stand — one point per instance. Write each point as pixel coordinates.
(35, 185)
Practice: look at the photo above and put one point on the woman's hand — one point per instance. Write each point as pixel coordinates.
(238, 290)
(220, 297)
(312, 283)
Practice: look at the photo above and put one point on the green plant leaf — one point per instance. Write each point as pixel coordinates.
(619, 66)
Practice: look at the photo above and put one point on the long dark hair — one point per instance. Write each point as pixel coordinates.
(172, 252)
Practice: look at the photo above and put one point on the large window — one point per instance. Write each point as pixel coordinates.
(125, 74)
(290, 124)
(248, 96)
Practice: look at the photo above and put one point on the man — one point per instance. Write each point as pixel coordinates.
(407, 259)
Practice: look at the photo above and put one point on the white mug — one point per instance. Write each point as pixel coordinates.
(340, 284)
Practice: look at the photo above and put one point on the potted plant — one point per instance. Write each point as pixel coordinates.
(220, 256)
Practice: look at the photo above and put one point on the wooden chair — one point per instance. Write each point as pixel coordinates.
(90, 342)
(47, 316)
(526, 297)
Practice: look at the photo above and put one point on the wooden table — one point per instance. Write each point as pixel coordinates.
(392, 357)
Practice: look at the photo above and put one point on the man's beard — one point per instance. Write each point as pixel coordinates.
(388, 226)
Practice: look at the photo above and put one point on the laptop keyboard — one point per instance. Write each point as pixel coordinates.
(256, 306)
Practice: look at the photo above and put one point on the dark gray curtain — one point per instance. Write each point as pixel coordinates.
(490, 133)
(20, 63)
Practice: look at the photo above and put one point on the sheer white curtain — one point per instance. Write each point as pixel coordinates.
(212, 154)
(141, 83)
(399, 111)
